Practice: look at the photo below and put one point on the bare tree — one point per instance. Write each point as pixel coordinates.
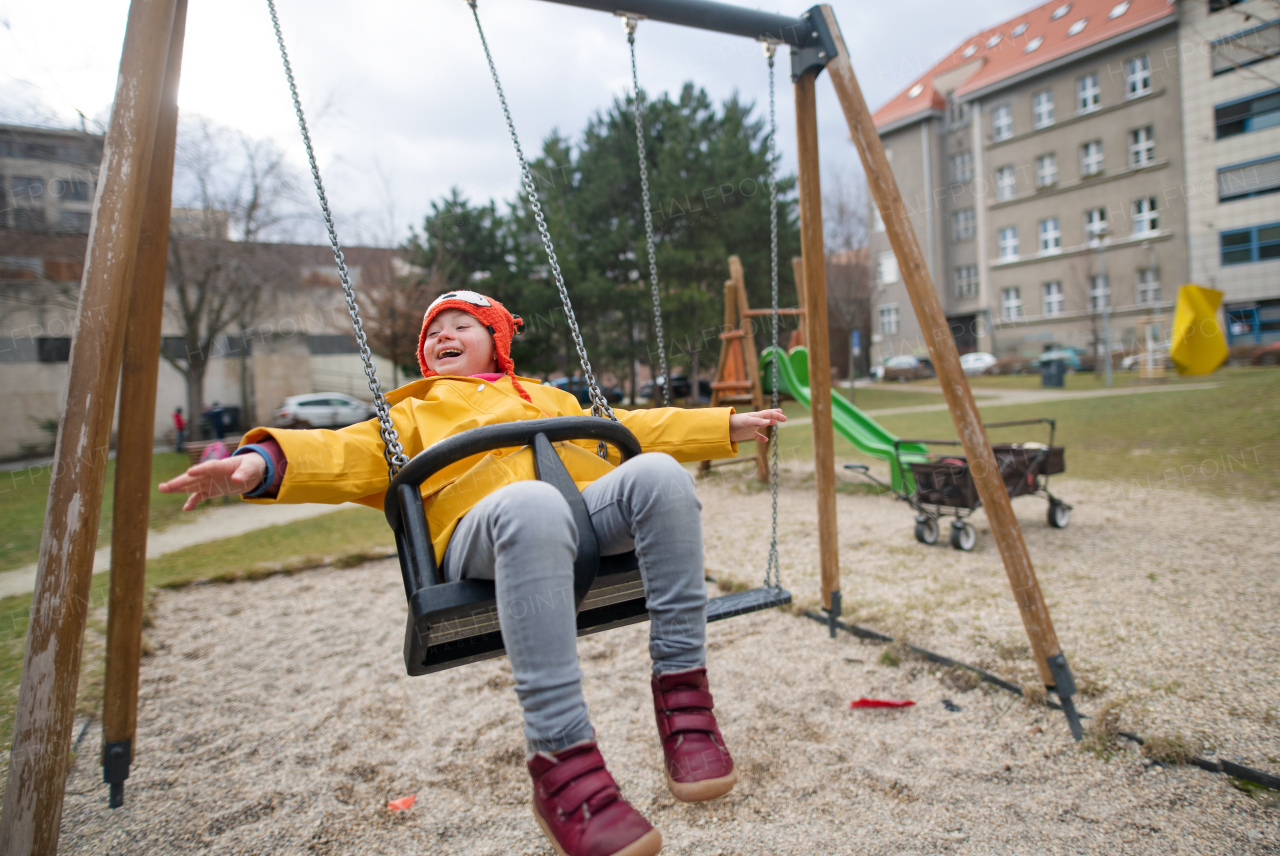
(227, 185)
(392, 312)
(844, 210)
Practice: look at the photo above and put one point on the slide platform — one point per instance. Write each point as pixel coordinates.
(867, 435)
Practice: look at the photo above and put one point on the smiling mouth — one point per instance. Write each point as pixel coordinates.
(448, 353)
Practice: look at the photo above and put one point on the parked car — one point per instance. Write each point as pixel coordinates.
(1268, 355)
(579, 389)
(1070, 356)
(977, 362)
(680, 388)
(322, 410)
(904, 368)
(1014, 364)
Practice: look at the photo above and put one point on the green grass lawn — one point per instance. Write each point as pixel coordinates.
(23, 494)
(1223, 441)
(343, 537)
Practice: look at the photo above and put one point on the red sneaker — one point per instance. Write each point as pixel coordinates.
(579, 807)
(699, 766)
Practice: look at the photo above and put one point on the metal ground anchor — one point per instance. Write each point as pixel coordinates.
(116, 756)
(833, 614)
(1064, 686)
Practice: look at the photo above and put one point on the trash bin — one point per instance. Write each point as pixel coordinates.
(1053, 373)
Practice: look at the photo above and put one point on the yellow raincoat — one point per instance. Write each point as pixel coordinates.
(348, 465)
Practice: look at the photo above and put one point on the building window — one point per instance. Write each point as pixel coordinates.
(1137, 77)
(72, 190)
(967, 281)
(965, 224)
(74, 221)
(1009, 243)
(1095, 223)
(1050, 236)
(1042, 108)
(1091, 159)
(889, 319)
(1237, 117)
(28, 219)
(1241, 49)
(27, 191)
(1002, 123)
(1011, 303)
(962, 167)
(957, 113)
(1253, 179)
(1148, 287)
(1088, 94)
(1144, 216)
(1006, 183)
(1052, 294)
(1046, 170)
(52, 349)
(1099, 292)
(1142, 146)
(887, 271)
(1256, 244)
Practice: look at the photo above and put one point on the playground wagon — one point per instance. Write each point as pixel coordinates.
(939, 485)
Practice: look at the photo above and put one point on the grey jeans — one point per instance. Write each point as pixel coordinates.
(523, 537)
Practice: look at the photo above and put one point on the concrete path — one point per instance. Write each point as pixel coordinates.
(222, 521)
(989, 397)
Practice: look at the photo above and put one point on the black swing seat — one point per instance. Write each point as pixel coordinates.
(453, 623)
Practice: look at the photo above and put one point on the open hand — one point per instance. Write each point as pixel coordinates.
(210, 479)
(746, 426)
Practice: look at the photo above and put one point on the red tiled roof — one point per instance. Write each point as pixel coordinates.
(1008, 55)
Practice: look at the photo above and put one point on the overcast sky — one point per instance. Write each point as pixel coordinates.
(399, 96)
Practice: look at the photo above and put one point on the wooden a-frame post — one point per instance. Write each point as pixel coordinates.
(1050, 661)
(134, 444)
(44, 713)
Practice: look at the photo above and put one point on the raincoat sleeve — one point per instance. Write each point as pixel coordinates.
(346, 465)
(687, 435)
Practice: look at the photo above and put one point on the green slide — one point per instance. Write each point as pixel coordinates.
(867, 435)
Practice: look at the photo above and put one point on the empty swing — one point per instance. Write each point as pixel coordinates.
(453, 623)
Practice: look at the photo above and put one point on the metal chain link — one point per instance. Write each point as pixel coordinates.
(773, 572)
(599, 405)
(630, 24)
(393, 451)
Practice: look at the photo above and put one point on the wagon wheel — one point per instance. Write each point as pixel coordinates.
(963, 535)
(927, 529)
(1059, 514)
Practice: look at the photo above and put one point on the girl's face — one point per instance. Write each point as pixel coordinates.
(459, 345)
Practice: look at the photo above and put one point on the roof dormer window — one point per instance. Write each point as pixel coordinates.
(1061, 10)
(1078, 27)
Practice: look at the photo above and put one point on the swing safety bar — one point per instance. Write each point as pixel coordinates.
(453, 623)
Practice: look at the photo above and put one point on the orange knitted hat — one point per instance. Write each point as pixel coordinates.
(501, 324)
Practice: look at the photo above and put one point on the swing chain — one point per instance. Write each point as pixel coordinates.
(773, 571)
(630, 24)
(392, 451)
(599, 404)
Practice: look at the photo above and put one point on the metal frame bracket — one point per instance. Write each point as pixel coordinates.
(819, 49)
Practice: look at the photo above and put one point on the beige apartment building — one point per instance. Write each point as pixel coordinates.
(1041, 164)
(1231, 109)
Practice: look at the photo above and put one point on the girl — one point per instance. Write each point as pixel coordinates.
(491, 519)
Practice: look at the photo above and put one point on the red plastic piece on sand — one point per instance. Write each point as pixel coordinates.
(879, 702)
(402, 804)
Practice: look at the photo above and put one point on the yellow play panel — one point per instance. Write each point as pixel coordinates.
(1198, 346)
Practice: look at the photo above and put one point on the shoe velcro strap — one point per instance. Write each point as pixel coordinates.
(572, 768)
(588, 788)
(681, 699)
(675, 723)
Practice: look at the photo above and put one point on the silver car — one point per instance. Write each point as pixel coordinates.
(322, 410)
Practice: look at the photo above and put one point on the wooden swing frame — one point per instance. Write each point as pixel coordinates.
(119, 326)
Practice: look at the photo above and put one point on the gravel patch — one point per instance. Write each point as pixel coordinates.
(275, 716)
